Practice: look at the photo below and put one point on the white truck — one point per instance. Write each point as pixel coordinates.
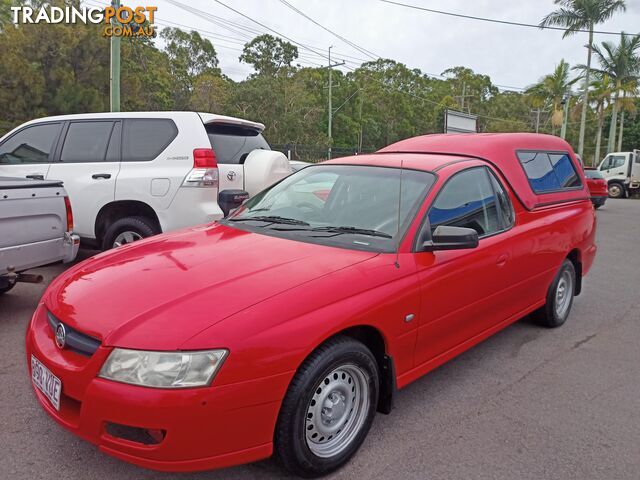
(133, 175)
(622, 172)
(36, 224)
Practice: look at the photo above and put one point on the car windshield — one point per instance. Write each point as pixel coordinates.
(589, 173)
(347, 206)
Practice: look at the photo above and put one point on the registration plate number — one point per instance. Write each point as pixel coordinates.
(47, 382)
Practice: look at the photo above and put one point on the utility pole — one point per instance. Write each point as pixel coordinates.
(538, 121)
(329, 132)
(114, 80)
(565, 115)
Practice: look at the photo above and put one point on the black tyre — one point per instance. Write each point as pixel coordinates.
(328, 409)
(559, 298)
(616, 190)
(128, 230)
(597, 206)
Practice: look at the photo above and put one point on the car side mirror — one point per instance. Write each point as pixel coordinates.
(451, 238)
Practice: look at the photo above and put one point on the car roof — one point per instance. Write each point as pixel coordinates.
(431, 152)
(415, 161)
(207, 118)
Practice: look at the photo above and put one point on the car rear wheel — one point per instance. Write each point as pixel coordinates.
(328, 409)
(616, 190)
(559, 297)
(128, 230)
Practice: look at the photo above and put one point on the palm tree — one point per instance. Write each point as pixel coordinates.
(621, 63)
(627, 105)
(550, 91)
(601, 91)
(579, 15)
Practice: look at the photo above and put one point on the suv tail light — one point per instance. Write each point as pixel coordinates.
(67, 206)
(205, 169)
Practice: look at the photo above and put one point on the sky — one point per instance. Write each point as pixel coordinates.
(512, 56)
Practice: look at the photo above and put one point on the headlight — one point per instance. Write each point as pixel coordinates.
(163, 369)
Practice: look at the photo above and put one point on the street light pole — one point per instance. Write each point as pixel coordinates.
(114, 80)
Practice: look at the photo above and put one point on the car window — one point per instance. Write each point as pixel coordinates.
(352, 206)
(467, 200)
(589, 173)
(113, 151)
(146, 138)
(86, 142)
(506, 211)
(549, 172)
(30, 145)
(617, 161)
(564, 170)
(232, 144)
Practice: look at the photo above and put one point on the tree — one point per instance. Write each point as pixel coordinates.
(576, 15)
(269, 55)
(621, 64)
(601, 91)
(190, 55)
(550, 92)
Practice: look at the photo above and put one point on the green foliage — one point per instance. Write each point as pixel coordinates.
(59, 69)
(190, 55)
(269, 55)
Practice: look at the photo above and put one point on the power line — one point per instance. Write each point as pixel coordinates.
(494, 20)
(348, 42)
(268, 28)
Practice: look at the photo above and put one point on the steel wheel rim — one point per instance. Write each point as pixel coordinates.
(126, 237)
(564, 294)
(337, 411)
(615, 191)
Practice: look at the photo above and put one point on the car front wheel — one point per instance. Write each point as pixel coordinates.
(328, 409)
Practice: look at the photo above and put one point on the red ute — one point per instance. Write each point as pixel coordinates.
(284, 328)
(598, 188)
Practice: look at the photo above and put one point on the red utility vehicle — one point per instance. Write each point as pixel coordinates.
(284, 328)
(598, 188)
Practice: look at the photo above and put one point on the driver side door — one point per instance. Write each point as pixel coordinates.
(463, 291)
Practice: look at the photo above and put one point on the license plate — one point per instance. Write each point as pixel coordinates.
(47, 382)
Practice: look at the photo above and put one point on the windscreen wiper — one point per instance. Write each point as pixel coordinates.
(270, 219)
(352, 230)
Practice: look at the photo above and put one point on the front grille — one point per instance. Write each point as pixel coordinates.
(75, 341)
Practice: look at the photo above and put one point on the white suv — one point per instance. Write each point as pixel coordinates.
(133, 175)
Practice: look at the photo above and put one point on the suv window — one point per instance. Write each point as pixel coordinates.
(146, 138)
(467, 200)
(86, 142)
(549, 172)
(232, 144)
(30, 145)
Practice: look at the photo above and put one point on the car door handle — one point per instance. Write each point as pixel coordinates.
(96, 176)
(502, 260)
(36, 176)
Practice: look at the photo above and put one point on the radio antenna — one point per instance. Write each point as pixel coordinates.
(397, 263)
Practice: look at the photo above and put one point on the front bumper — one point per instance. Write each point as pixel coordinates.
(206, 428)
(599, 201)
